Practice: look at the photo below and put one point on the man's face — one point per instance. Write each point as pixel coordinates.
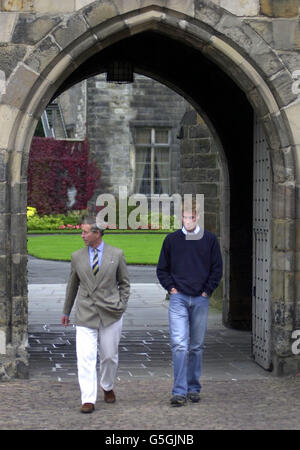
(89, 237)
(189, 220)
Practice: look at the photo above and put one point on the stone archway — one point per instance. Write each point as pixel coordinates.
(230, 45)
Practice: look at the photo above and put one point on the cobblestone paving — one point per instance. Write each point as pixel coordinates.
(143, 404)
(236, 393)
(142, 353)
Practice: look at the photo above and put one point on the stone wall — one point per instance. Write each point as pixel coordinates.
(73, 107)
(113, 111)
(271, 8)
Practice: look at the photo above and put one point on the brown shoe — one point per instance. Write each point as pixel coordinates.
(87, 408)
(109, 396)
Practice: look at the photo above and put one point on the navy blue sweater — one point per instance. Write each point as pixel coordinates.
(190, 266)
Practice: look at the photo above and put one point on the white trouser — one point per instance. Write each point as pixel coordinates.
(86, 349)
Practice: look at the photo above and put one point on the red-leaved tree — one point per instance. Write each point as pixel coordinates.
(54, 167)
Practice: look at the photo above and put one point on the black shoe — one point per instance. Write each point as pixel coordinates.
(194, 397)
(178, 400)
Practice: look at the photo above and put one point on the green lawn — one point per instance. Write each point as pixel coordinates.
(138, 249)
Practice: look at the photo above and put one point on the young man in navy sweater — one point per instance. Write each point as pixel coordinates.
(190, 269)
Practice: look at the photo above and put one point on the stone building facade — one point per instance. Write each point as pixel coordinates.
(116, 113)
(238, 64)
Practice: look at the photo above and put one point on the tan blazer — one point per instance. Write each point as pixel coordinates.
(102, 297)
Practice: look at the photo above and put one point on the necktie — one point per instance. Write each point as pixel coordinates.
(95, 266)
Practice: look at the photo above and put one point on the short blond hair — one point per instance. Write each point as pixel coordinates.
(189, 205)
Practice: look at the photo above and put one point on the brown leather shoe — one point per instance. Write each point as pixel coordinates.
(87, 408)
(109, 396)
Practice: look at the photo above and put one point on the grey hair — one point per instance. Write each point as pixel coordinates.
(91, 220)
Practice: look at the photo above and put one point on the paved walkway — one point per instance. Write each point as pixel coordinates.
(236, 392)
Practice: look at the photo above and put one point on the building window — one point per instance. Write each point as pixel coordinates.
(152, 160)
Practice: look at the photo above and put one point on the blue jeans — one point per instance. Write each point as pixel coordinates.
(187, 322)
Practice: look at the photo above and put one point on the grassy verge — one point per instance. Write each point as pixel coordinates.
(137, 248)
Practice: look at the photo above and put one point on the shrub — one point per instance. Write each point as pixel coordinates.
(55, 221)
(54, 167)
(31, 211)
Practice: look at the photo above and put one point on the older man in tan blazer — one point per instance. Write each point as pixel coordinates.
(99, 279)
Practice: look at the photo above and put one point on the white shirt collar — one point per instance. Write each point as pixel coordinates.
(99, 248)
(196, 230)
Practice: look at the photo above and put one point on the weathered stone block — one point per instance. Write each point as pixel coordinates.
(267, 61)
(85, 49)
(198, 131)
(279, 8)
(289, 291)
(9, 117)
(205, 161)
(283, 314)
(81, 3)
(10, 56)
(30, 29)
(44, 55)
(244, 36)
(18, 234)
(207, 189)
(241, 7)
(206, 175)
(297, 227)
(282, 340)
(3, 163)
(291, 115)
(257, 102)
(54, 6)
(112, 33)
(284, 31)
(19, 313)
(281, 86)
(283, 201)
(99, 12)
(69, 30)
(18, 86)
(188, 188)
(279, 171)
(186, 162)
(283, 260)
(209, 14)
(202, 146)
(18, 5)
(3, 197)
(211, 205)
(283, 234)
(7, 23)
(210, 223)
(286, 366)
(186, 7)
(186, 148)
(186, 175)
(277, 284)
